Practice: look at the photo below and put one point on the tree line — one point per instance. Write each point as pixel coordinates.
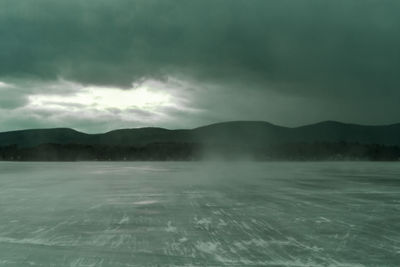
(194, 151)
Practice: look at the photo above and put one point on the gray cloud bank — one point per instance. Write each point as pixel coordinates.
(328, 59)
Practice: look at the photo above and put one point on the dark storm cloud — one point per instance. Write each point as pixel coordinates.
(311, 43)
(336, 53)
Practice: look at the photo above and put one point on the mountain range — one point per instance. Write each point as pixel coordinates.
(237, 132)
(228, 137)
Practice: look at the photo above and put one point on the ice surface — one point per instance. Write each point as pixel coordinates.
(199, 214)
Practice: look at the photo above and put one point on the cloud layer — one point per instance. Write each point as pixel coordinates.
(328, 59)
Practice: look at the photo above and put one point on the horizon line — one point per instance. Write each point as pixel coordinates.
(204, 126)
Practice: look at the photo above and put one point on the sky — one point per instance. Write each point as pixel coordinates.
(97, 65)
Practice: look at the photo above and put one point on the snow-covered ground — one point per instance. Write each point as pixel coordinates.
(199, 214)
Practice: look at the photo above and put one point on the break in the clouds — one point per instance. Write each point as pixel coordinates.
(97, 65)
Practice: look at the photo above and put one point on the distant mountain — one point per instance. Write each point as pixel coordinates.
(237, 132)
(228, 138)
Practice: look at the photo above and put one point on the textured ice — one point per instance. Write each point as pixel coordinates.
(199, 214)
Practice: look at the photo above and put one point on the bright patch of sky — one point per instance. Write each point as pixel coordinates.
(95, 108)
(102, 98)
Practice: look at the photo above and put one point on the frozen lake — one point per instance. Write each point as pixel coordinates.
(199, 214)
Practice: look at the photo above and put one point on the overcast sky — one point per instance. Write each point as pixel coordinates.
(97, 65)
